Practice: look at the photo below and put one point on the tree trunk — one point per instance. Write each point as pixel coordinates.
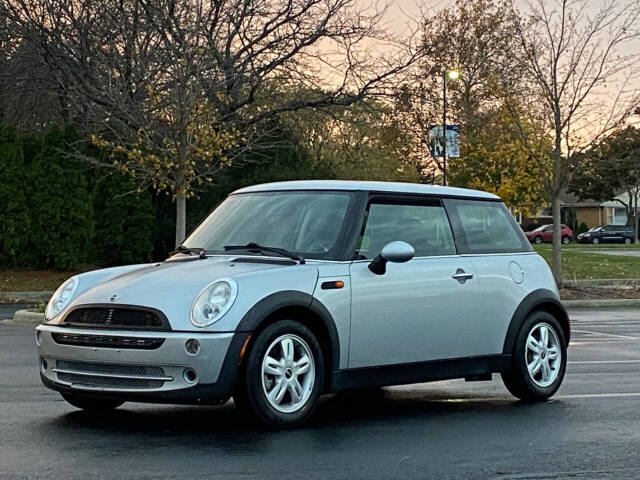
(556, 255)
(181, 219)
(637, 220)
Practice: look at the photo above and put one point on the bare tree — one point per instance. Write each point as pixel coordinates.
(577, 83)
(179, 90)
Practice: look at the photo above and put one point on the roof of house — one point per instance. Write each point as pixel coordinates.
(350, 185)
(572, 200)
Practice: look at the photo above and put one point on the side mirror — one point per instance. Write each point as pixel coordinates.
(397, 252)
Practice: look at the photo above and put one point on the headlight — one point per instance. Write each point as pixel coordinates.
(61, 298)
(213, 302)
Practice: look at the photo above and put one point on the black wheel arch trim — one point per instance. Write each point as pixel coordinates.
(541, 299)
(275, 302)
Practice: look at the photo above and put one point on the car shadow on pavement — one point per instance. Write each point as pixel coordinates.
(342, 410)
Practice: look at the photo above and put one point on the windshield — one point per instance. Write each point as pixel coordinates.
(306, 223)
(539, 229)
(595, 229)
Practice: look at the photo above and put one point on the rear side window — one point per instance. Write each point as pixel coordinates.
(485, 227)
(424, 225)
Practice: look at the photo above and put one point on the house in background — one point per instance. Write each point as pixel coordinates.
(590, 212)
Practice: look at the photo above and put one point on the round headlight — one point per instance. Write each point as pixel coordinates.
(61, 298)
(213, 302)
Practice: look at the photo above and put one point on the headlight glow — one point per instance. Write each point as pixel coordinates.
(61, 298)
(213, 302)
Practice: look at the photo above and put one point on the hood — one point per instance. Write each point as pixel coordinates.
(179, 278)
(173, 285)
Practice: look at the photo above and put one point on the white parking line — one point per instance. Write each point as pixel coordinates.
(597, 362)
(599, 395)
(626, 337)
(513, 400)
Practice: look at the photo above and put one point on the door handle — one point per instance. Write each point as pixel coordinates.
(462, 276)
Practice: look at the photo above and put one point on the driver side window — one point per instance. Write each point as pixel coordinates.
(424, 226)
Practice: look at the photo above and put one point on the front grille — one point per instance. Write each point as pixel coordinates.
(117, 317)
(106, 382)
(107, 375)
(105, 341)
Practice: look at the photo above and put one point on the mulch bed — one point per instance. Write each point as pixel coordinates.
(597, 293)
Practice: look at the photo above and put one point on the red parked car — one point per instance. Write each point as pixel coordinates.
(544, 233)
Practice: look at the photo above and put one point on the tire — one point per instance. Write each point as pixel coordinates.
(538, 240)
(517, 379)
(255, 383)
(89, 404)
(595, 240)
(566, 240)
(627, 241)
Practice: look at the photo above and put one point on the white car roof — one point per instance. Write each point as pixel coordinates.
(352, 185)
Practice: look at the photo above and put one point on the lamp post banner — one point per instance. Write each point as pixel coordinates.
(453, 142)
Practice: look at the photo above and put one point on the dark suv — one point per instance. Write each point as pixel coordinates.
(608, 234)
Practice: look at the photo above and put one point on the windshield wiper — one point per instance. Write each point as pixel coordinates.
(252, 246)
(201, 252)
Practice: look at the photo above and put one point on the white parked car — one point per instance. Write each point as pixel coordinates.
(291, 290)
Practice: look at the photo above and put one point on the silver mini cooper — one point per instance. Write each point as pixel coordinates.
(290, 290)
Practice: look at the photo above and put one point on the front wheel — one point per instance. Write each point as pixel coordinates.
(283, 376)
(96, 405)
(538, 240)
(595, 240)
(539, 359)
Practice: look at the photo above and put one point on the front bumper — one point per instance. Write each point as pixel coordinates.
(166, 374)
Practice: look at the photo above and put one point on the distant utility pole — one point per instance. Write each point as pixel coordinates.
(444, 128)
(453, 75)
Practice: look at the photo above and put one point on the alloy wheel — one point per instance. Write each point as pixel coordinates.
(288, 373)
(543, 354)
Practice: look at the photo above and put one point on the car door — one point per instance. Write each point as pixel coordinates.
(548, 234)
(418, 310)
(609, 234)
(505, 266)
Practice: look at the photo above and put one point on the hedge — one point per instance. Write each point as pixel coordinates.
(59, 212)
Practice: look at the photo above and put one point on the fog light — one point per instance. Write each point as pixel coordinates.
(43, 365)
(38, 333)
(190, 375)
(192, 346)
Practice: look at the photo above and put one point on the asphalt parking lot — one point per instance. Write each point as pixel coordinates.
(453, 429)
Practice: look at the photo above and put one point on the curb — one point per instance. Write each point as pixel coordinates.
(25, 297)
(602, 303)
(601, 282)
(25, 316)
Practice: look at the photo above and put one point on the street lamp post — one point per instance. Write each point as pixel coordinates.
(453, 75)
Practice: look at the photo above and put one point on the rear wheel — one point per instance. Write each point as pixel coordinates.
(539, 359)
(627, 241)
(91, 404)
(566, 240)
(283, 376)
